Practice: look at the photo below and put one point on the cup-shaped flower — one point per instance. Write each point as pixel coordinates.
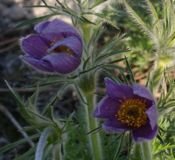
(128, 108)
(56, 47)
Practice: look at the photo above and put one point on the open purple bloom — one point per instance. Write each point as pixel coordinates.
(56, 47)
(128, 108)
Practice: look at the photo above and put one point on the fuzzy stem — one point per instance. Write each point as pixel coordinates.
(94, 138)
(57, 155)
(143, 150)
(91, 123)
(146, 146)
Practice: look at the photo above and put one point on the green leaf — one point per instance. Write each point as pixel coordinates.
(80, 94)
(98, 3)
(112, 76)
(32, 101)
(130, 71)
(16, 96)
(86, 63)
(110, 48)
(103, 57)
(152, 10)
(27, 155)
(34, 20)
(55, 81)
(14, 144)
(41, 6)
(39, 120)
(118, 147)
(138, 20)
(168, 146)
(20, 103)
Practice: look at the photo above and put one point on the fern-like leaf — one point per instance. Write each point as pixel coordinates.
(138, 20)
(152, 10)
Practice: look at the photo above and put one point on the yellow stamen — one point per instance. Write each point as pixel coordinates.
(64, 49)
(132, 113)
(61, 48)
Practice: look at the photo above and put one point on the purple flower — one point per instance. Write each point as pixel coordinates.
(128, 108)
(56, 47)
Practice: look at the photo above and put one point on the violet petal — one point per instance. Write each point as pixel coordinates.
(34, 45)
(72, 43)
(142, 92)
(152, 116)
(56, 26)
(114, 126)
(144, 133)
(106, 108)
(41, 26)
(115, 90)
(62, 62)
(52, 37)
(37, 64)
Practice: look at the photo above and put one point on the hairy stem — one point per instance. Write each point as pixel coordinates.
(143, 151)
(91, 123)
(146, 146)
(57, 155)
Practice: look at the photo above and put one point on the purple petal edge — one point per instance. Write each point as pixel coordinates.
(73, 43)
(142, 92)
(36, 64)
(106, 108)
(152, 114)
(62, 62)
(114, 126)
(115, 90)
(144, 133)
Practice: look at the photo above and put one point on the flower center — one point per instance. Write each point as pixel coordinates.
(64, 49)
(61, 48)
(132, 113)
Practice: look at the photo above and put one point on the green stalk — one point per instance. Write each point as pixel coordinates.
(143, 151)
(146, 146)
(94, 138)
(88, 88)
(57, 155)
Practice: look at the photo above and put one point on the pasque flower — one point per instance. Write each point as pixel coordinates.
(56, 47)
(128, 108)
